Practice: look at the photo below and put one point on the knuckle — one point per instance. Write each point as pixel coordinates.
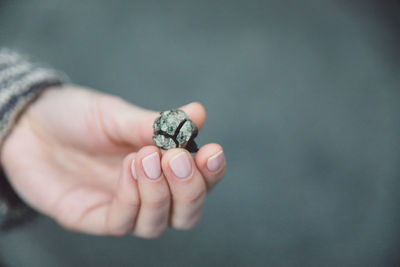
(67, 223)
(157, 202)
(131, 201)
(64, 217)
(215, 179)
(195, 196)
(118, 232)
(118, 229)
(151, 233)
(185, 225)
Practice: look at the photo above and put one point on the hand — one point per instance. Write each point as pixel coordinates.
(74, 152)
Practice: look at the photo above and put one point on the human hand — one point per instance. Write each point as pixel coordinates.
(70, 156)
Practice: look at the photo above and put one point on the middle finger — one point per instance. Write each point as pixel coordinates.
(187, 186)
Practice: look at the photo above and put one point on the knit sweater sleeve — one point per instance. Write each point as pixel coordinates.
(21, 82)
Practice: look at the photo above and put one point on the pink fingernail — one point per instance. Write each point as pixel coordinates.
(215, 162)
(181, 165)
(151, 166)
(133, 169)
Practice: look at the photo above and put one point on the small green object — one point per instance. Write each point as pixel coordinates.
(175, 129)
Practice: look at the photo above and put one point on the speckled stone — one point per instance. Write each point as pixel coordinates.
(175, 129)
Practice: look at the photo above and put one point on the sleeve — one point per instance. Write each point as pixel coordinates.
(21, 82)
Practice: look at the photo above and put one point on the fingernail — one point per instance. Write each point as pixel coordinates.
(181, 165)
(215, 162)
(151, 165)
(133, 169)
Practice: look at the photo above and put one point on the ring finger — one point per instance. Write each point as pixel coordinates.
(187, 186)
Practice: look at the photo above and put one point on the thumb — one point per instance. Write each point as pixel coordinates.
(129, 124)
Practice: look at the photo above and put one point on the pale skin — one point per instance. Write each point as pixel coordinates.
(73, 154)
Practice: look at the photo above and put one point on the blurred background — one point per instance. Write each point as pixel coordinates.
(303, 95)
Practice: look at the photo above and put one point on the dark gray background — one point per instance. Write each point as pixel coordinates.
(303, 95)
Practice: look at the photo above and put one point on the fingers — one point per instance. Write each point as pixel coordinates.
(187, 186)
(125, 123)
(210, 160)
(170, 191)
(153, 216)
(173, 191)
(151, 194)
(126, 202)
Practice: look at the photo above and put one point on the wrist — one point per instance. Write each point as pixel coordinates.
(21, 82)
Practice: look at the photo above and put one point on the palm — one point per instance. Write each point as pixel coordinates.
(74, 160)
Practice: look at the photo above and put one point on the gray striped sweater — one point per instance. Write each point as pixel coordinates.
(20, 83)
